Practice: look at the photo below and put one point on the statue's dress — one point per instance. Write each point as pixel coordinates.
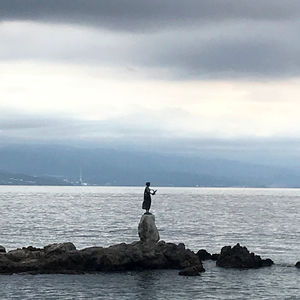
(147, 199)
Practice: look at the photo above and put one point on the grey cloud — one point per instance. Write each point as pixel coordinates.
(244, 50)
(231, 49)
(29, 123)
(16, 125)
(170, 39)
(142, 133)
(134, 133)
(142, 15)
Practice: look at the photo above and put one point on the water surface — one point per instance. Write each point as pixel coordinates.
(265, 220)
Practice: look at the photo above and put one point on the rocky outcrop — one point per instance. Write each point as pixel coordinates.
(240, 257)
(147, 253)
(59, 248)
(64, 258)
(2, 249)
(203, 255)
(297, 264)
(215, 256)
(147, 230)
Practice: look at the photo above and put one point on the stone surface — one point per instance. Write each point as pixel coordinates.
(2, 249)
(192, 271)
(240, 257)
(215, 256)
(64, 258)
(203, 255)
(298, 264)
(59, 248)
(147, 230)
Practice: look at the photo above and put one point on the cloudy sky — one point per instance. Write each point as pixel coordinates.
(139, 71)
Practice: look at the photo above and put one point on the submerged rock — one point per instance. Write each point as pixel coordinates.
(64, 258)
(147, 230)
(192, 271)
(2, 249)
(297, 264)
(240, 257)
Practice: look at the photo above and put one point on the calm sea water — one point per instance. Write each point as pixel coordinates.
(265, 220)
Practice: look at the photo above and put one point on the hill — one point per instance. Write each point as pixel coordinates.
(7, 178)
(62, 165)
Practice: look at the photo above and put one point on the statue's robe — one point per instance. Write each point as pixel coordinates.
(147, 199)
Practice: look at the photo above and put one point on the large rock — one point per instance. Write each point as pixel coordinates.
(148, 232)
(298, 264)
(2, 249)
(120, 257)
(203, 255)
(240, 257)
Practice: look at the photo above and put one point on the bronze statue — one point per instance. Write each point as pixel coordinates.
(147, 197)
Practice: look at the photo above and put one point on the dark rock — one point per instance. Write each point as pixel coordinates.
(59, 248)
(2, 249)
(192, 271)
(215, 256)
(203, 255)
(267, 262)
(240, 257)
(297, 264)
(64, 258)
(24, 254)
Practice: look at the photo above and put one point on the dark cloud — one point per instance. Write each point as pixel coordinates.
(176, 39)
(233, 49)
(143, 14)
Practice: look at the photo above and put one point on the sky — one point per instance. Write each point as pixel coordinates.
(174, 73)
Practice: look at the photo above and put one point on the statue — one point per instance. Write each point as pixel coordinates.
(147, 198)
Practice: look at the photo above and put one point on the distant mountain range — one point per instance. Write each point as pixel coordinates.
(61, 165)
(7, 178)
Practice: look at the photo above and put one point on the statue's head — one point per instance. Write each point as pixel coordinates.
(148, 183)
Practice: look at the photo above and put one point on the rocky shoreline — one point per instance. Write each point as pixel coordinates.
(147, 253)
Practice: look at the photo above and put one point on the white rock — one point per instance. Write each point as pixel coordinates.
(148, 232)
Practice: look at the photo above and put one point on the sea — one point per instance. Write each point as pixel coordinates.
(266, 221)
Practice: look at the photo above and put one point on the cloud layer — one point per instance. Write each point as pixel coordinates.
(171, 39)
(141, 15)
(125, 69)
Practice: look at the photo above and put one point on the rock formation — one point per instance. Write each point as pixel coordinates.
(148, 232)
(64, 258)
(203, 255)
(240, 257)
(147, 253)
(2, 249)
(298, 264)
